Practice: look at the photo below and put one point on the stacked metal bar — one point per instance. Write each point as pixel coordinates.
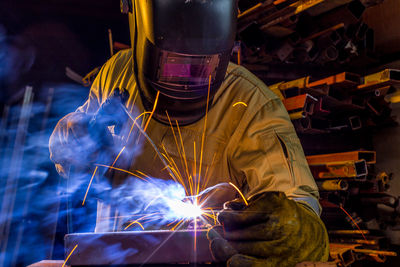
(351, 196)
(353, 192)
(312, 32)
(341, 102)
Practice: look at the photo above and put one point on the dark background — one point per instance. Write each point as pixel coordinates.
(59, 33)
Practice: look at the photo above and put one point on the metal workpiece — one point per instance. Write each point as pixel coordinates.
(363, 237)
(316, 124)
(368, 156)
(298, 83)
(344, 255)
(355, 122)
(380, 79)
(327, 6)
(379, 198)
(340, 80)
(310, 125)
(138, 247)
(317, 91)
(319, 109)
(348, 14)
(304, 102)
(328, 54)
(384, 178)
(254, 13)
(394, 98)
(300, 86)
(341, 169)
(346, 105)
(374, 92)
(285, 13)
(333, 185)
(284, 51)
(348, 232)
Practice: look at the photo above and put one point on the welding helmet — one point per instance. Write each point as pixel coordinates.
(181, 48)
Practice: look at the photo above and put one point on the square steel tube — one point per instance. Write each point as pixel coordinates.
(138, 247)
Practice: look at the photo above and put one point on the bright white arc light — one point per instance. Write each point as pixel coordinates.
(185, 210)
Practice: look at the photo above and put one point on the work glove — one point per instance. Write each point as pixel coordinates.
(81, 139)
(271, 231)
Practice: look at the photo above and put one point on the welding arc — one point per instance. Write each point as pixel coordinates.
(150, 141)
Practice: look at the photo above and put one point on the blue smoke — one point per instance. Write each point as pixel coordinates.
(32, 197)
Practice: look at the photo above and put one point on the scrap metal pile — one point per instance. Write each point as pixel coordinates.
(341, 102)
(297, 48)
(353, 197)
(356, 207)
(304, 32)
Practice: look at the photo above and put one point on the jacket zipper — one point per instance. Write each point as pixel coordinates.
(287, 156)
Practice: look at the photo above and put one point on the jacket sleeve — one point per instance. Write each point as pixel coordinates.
(268, 156)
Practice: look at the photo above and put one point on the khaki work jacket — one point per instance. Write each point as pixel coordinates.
(249, 139)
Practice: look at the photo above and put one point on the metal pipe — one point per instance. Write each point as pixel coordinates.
(333, 185)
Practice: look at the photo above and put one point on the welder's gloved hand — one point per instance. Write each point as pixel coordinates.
(72, 145)
(271, 231)
(110, 113)
(80, 139)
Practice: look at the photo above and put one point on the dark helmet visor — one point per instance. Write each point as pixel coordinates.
(182, 69)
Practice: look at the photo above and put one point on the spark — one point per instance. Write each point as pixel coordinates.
(197, 181)
(238, 56)
(149, 140)
(144, 217)
(134, 123)
(207, 177)
(87, 190)
(175, 170)
(239, 103)
(176, 140)
(152, 112)
(212, 216)
(182, 157)
(351, 218)
(151, 202)
(173, 228)
(134, 100)
(205, 126)
(240, 193)
(119, 154)
(94, 173)
(122, 170)
(132, 223)
(171, 223)
(183, 152)
(69, 255)
(143, 174)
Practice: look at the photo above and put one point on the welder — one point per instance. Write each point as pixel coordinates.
(178, 72)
